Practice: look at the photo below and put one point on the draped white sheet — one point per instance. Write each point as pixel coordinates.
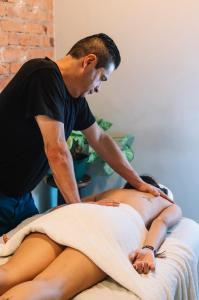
(107, 235)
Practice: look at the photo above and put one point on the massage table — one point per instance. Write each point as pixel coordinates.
(175, 278)
(187, 232)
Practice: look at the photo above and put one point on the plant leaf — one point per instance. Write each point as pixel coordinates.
(69, 142)
(92, 157)
(124, 140)
(128, 152)
(108, 170)
(105, 125)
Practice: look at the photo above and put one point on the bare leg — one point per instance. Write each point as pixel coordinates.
(35, 253)
(69, 274)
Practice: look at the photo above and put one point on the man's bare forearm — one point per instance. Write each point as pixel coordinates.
(110, 152)
(61, 165)
(106, 147)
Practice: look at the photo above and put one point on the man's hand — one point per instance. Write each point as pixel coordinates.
(143, 260)
(148, 188)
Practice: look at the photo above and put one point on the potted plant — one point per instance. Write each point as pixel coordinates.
(83, 154)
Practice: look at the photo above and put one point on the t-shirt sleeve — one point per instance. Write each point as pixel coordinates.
(45, 95)
(85, 118)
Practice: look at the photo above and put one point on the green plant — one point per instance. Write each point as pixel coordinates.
(80, 148)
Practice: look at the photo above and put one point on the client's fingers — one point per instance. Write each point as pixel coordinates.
(146, 268)
(143, 267)
(135, 267)
(133, 256)
(140, 267)
(152, 267)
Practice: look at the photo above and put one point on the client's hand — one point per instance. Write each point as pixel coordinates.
(143, 260)
(106, 202)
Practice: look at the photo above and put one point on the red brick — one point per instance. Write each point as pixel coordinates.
(33, 2)
(42, 4)
(49, 4)
(17, 11)
(36, 40)
(50, 30)
(26, 31)
(2, 9)
(13, 26)
(4, 81)
(50, 53)
(12, 54)
(24, 39)
(3, 39)
(13, 38)
(33, 53)
(34, 28)
(4, 68)
(46, 42)
(31, 40)
(14, 67)
(37, 15)
(31, 13)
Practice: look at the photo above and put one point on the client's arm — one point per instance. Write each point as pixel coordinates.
(144, 259)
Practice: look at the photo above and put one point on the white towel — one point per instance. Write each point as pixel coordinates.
(107, 235)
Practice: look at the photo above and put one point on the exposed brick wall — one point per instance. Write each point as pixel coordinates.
(26, 31)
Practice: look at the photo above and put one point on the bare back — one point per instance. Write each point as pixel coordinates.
(148, 206)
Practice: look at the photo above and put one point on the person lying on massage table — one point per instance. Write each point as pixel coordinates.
(157, 213)
(42, 269)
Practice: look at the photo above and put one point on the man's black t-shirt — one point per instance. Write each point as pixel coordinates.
(37, 89)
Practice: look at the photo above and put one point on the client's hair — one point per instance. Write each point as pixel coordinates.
(147, 179)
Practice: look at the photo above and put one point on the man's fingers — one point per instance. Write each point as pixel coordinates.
(157, 192)
(163, 195)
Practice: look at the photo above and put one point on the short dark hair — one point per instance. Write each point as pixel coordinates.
(147, 179)
(102, 46)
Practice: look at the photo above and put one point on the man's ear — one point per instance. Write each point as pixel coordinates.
(90, 59)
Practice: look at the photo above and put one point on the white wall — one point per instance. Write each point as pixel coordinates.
(154, 93)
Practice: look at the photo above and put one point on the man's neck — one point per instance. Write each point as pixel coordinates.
(67, 65)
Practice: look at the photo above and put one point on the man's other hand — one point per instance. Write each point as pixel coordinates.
(148, 188)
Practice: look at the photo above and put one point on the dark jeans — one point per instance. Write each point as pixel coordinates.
(13, 210)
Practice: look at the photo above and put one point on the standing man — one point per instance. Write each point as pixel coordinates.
(39, 108)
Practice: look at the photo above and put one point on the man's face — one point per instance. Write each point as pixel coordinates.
(92, 78)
